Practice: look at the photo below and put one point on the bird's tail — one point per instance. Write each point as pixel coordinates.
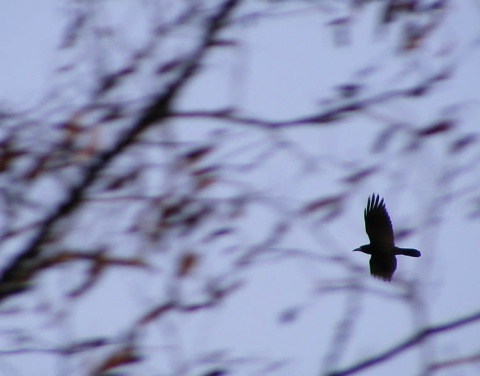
(407, 252)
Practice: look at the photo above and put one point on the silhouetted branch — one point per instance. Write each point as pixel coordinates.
(408, 343)
(69, 349)
(217, 294)
(456, 362)
(325, 117)
(17, 275)
(344, 327)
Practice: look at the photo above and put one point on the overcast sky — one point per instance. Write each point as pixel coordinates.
(286, 67)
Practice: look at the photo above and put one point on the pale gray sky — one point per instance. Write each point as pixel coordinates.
(285, 67)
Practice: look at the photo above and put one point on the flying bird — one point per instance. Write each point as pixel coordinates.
(382, 243)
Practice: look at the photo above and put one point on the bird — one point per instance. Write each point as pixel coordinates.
(382, 249)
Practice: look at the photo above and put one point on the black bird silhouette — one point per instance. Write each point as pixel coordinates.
(382, 244)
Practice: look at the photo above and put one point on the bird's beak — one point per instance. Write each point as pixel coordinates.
(356, 250)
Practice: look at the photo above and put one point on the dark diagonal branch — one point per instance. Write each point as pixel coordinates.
(408, 343)
(18, 273)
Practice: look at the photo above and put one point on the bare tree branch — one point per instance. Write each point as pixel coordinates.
(473, 358)
(20, 270)
(408, 343)
(325, 117)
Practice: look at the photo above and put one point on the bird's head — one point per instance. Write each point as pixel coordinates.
(364, 248)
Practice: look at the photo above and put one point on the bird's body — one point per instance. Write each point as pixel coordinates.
(382, 243)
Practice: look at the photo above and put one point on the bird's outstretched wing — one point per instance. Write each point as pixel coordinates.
(377, 223)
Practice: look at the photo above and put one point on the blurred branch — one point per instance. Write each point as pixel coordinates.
(325, 117)
(100, 262)
(408, 343)
(217, 294)
(455, 362)
(17, 275)
(344, 327)
(69, 349)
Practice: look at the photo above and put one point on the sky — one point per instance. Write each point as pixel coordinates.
(286, 66)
